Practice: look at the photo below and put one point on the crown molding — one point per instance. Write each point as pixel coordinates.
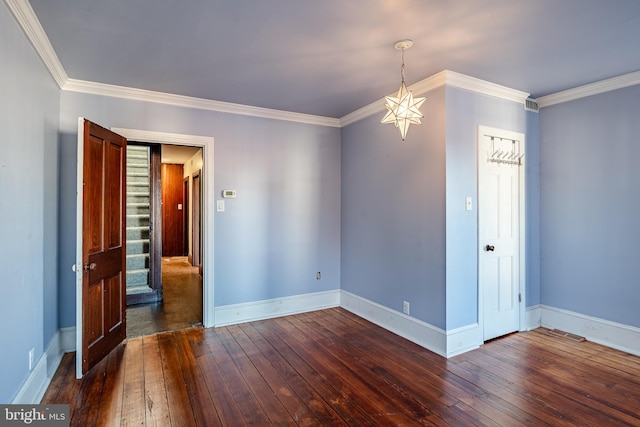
(26, 18)
(94, 88)
(484, 87)
(602, 86)
(445, 77)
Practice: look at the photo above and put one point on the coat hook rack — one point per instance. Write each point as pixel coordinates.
(507, 157)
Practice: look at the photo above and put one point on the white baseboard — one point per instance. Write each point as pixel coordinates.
(68, 339)
(461, 340)
(267, 309)
(39, 378)
(421, 333)
(611, 334)
(533, 317)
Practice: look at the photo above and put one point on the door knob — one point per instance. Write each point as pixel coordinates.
(489, 248)
(91, 266)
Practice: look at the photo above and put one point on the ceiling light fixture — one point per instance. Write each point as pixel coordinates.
(403, 109)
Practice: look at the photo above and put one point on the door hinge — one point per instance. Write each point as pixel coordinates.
(519, 297)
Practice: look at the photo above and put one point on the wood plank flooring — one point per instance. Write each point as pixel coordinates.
(332, 368)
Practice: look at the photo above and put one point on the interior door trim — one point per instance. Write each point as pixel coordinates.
(482, 157)
(208, 203)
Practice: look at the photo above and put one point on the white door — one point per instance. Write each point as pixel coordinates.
(500, 226)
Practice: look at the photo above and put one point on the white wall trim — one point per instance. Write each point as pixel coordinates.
(93, 88)
(583, 91)
(428, 336)
(27, 20)
(486, 88)
(39, 378)
(162, 137)
(68, 339)
(611, 334)
(277, 307)
(207, 145)
(461, 340)
(533, 317)
(445, 77)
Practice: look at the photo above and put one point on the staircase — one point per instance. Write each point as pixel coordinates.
(138, 202)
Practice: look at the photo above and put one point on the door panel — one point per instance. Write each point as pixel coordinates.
(172, 210)
(499, 234)
(103, 323)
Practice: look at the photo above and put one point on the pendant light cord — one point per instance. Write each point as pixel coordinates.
(402, 67)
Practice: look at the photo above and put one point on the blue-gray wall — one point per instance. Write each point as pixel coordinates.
(393, 212)
(29, 112)
(283, 227)
(589, 215)
(465, 110)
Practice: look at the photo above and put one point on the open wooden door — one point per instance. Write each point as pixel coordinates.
(101, 314)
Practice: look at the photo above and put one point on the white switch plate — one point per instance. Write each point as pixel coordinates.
(220, 205)
(468, 205)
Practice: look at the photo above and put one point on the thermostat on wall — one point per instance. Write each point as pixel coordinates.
(229, 194)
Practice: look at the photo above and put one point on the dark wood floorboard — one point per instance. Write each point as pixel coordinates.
(332, 368)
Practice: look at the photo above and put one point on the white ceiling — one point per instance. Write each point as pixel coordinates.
(332, 57)
(178, 154)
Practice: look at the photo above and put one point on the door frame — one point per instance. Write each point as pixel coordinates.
(522, 239)
(207, 204)
(196, 218)
(187, 211)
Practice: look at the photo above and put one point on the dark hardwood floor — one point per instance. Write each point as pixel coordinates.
(181, 306)
(331, 368)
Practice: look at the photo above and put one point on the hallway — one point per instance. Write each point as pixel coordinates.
(181, 306)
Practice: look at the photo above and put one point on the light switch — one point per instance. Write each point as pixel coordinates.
(220, 205)
(467, 203)
(179, 206)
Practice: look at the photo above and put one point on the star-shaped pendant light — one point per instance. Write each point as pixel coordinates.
(403, 109)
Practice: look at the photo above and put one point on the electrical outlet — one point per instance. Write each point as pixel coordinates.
(405, 307)
(31, 355)
(318, 276)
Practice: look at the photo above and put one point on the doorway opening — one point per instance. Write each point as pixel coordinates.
(173, 296)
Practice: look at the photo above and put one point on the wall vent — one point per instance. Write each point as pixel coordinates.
(531, 105)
